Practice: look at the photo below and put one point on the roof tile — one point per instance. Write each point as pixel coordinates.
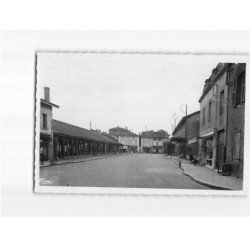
(75, 131)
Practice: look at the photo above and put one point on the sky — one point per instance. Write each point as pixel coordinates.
(138, 91)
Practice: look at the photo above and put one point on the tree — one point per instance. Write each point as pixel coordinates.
(166, 134)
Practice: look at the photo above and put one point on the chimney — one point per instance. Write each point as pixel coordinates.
(46, 94)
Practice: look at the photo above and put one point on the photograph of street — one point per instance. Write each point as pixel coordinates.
(134, 120)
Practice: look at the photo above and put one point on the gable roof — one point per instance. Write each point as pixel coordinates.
(154, 134)
(183, 120)
(63, 128)
(49, 103)
(118, 131)
(215, 75)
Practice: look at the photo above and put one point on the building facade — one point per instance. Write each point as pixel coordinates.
(213, 110)
(128, 139)
(185, 135)
(46, 133)
(153, 141)
(222, 108)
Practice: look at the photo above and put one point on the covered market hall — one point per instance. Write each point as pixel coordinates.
(71, 141)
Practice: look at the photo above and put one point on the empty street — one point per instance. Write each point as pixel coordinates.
(131, 170)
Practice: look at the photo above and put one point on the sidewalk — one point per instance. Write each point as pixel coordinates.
(81, 159)
(207, 176)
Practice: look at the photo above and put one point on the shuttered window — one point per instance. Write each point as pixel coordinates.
(243, 87)
(238, 96)
(234, 93)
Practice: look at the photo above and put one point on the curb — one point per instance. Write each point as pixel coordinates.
(83, 160)
(202, 182)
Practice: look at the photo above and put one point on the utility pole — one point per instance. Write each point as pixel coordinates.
(174, 117)
(90, 126)
(186, 133)
(185, 128)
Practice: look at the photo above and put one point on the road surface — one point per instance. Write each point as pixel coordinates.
(133, 170)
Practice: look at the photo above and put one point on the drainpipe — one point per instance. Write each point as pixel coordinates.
(227, 106)
(215, 127)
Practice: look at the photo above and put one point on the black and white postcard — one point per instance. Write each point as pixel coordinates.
(140, 123)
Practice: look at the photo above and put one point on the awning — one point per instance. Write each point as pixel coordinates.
(193, 140)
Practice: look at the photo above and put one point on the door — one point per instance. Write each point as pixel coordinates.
(220, 150)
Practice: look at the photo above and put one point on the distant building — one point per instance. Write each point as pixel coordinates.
(153, 141)
(46, 134)
(128, 139)
(185, 135)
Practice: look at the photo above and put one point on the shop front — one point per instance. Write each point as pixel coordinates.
(207, 150)
(193, 147)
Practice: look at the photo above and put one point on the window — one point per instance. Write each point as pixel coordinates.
(203, 116)
(234, 92)
(209, 111)
(236, 145)
(222, 102)
(239, 90)
(44, 121)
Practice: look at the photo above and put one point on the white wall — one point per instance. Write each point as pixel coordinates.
(48, 112)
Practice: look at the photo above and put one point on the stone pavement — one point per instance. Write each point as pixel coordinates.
(80, 159)
(207, 176)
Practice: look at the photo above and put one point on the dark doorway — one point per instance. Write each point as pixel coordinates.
(220, 150)
(44, 149)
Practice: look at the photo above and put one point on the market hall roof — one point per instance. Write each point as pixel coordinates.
(66, 129)
(118, 131)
